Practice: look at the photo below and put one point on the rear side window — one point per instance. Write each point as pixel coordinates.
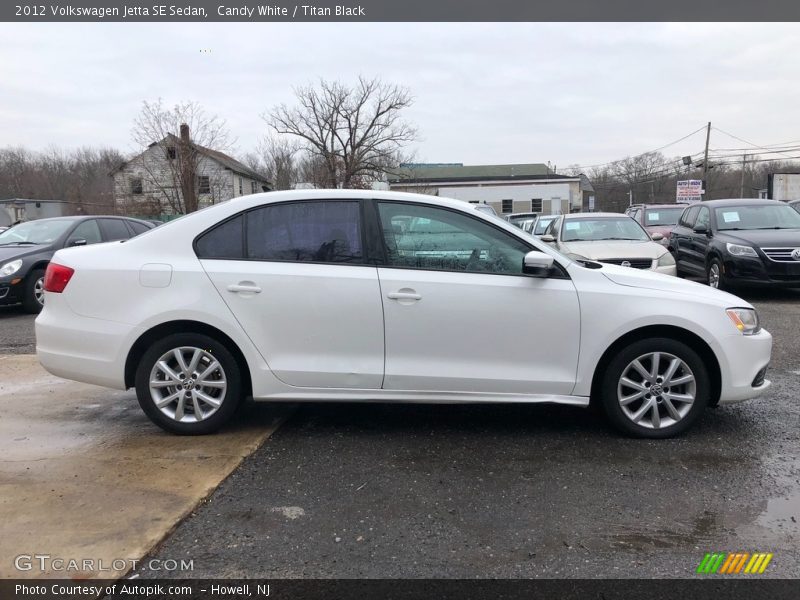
(325, 231)
(224, 241)
(137, 227)
(114, 229)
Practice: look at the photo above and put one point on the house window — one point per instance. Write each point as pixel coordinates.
(136, 186)
(253, 187)
(536, 205)
(241, 186)
(507, 206)
(203, 184)
(171, 152)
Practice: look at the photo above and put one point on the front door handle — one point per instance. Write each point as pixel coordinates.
(406, 294)
(244, 287)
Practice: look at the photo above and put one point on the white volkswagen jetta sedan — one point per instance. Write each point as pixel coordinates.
(349, 295)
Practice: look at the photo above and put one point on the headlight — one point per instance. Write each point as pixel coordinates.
(737, 250)
(744, 319)
(666, 260)
(10, 268)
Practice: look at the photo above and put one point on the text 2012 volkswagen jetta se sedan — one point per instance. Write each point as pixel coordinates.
(348, 295)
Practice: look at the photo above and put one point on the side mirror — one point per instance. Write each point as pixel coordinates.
(537, 263)
(657, 237)
(700, 229)
(549, 239)
(76, 242)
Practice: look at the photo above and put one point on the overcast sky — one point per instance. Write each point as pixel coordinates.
(484, 93)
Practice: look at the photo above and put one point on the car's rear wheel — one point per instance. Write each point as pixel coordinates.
(655, 388)
(33, 295)
(188, 384)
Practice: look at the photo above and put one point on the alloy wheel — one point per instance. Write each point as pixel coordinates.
(713, 276)
(187, 384)
(656, 390)
(38, 290)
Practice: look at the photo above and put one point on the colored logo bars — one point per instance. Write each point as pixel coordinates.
(734, 563)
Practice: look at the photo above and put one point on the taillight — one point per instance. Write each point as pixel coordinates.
(56, 277)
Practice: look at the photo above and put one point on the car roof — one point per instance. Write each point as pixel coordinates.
(722, 202)
(599, 215)
(663, 205)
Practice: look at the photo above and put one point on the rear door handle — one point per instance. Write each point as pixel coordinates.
(244, 287)
(404, 294)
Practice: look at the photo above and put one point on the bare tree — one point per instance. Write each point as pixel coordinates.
(276, 160)
(173, 171)
(354, 134)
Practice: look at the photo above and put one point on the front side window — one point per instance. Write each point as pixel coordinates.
(703, 218)
(88, 230)
(541, 225)
(327, 231)
(425, 237)
(688, 217)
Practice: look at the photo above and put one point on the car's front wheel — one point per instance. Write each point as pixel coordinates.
(188, 384)
(33, 299)
(655, 388)
(715, 275)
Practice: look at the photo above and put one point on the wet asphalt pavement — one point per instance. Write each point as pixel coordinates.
(407, 491)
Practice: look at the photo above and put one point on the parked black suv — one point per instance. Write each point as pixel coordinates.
(739, 242)
(25, 250)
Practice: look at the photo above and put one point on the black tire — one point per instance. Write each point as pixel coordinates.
(619, 366)
(29, 302)
(716, 263)
(229, 399)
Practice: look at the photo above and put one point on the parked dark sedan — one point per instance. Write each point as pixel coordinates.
(739, 242)
(25, 250)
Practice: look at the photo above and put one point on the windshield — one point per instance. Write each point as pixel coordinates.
(766, 216)
(663, 216)
(542, 224)
(594, 229)
(35, 232)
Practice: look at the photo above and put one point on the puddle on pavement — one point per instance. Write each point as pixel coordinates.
(782, 514)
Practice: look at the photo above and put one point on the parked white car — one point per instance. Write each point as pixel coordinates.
(346, 295)
(610, 238)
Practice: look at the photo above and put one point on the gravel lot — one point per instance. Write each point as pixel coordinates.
(504, 491)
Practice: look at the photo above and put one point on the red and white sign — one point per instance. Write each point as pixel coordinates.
(689, 190)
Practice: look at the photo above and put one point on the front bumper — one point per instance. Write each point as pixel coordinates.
(11, 290)
(743, 369)
(758, 271)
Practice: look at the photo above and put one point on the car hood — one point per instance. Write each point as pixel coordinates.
(767, 238)
(605, 249)
(666, 283)
(8, 253)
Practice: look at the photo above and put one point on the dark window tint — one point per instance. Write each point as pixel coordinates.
(88, 230)
(137, 227)
(224, 241)
(114, 229)
(327, 231)
(689, 215)
(703, 218)
(425, 237)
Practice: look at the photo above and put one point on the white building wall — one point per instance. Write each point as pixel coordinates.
(556, 196)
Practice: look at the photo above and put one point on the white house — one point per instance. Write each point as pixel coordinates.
(507, 188)
(151, 183)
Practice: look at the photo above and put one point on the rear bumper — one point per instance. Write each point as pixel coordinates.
(81, 348)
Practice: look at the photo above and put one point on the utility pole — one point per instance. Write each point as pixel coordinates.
(705, 161)
(741, 182)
